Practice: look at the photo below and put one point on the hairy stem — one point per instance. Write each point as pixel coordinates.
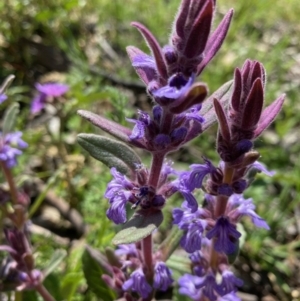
(147, 255)
(156, 166)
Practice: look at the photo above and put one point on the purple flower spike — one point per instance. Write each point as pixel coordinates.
(137, 283)
(45, 91)
(226, 235)
(229, 283)
(8, 150)
(3, 97)
(162, 276)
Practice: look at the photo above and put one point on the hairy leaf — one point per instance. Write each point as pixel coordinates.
(111, 152)
(142, 224)
(10, 118)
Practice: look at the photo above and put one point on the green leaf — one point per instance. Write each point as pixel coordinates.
(6, 83)
(142, 224)
(92, 262)
(56, 258)
(29, 296)
(10, 118)
(110, 152)
(53, 285)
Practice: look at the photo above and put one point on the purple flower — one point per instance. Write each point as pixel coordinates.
(3, 97)
(162, 276)
(137, 283)
(229, 283)
(187, 286)
(8, 150)
(177, 87)
(191, 240)
(226, 236)
(141, 125)
(118, 193)
(182, 185)
(209, 286)
(47, 90)
(241, 207)
(198, 173)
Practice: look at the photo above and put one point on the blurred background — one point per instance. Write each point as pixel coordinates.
(82, 44)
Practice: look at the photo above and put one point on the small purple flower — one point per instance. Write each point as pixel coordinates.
(193, 226)
(141, 125)
(177, 86)
(118, 193)
(182, 184)
(191, 240)
(209, 286)
(162, 276)
(226, 235)
(117, 210)
(229, 283)
(8, 150)
(245, 208)
(137, 283)
(3, 97)
(47, 90)
(187, 286)
(198, 173)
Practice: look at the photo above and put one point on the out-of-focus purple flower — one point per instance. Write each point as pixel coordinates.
(225, 234)
(8, 150)
(138, 283)
(229, 283)
(162, 276)
(188, 286)
(45, 91)
(3, 97)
